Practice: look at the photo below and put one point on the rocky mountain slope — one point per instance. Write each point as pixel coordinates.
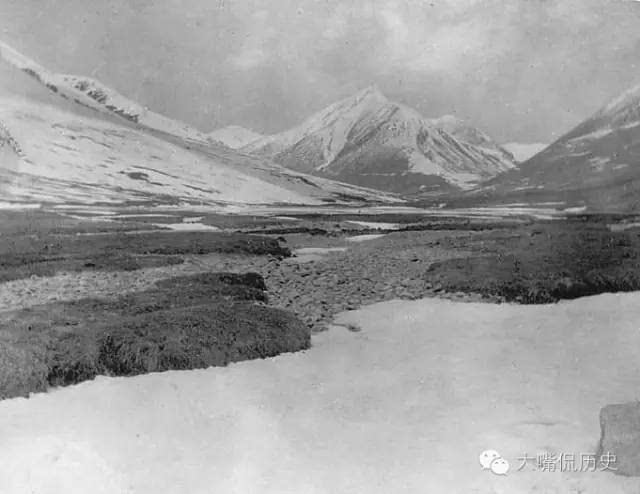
(370, 141)
(234, 136)
(93, 94)
(59, 149)
(465, 132)
(597, 163)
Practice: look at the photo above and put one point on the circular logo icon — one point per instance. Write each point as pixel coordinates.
(486, 457)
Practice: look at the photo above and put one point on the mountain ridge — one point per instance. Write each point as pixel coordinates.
(93, 94)
(597, 162)
(70, 151)
(366, 139)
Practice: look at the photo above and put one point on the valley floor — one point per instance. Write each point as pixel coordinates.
(326, 276)
(401, 394)
(406, 404)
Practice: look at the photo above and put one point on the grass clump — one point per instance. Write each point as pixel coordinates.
(186, 322)
(21, 371)
(176, 339)
(544, 263)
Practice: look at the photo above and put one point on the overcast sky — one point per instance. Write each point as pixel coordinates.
(522, 70)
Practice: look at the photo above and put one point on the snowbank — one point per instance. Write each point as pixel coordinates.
(377, 225)
(364, 238)
(188, 227)
(404, 406)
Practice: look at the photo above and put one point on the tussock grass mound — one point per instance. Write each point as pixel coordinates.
(177, 339)
(21, 370)
(186, 322)
(544, 263)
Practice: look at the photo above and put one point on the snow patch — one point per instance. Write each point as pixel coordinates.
(377, 225)
(364, 238)
(193, 219)
(19, 205)
(318, 250)
(405, 405)
(188, 227)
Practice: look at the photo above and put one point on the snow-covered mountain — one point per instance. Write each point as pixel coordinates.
(522, 152)
(56, 149)
(598, 162)
(70, 158)
(370, 141)
(234, 136)
(93, 94)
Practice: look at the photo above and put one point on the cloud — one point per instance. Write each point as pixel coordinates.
(250, 57)
(255, 45)
(520, 69)
(337, 23)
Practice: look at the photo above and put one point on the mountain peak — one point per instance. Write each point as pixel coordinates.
(365, 139)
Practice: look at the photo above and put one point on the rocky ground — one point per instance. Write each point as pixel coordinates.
(315, 285)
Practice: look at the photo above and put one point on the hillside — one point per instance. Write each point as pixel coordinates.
(465, 132)
(370, 141)
(93, 94)
(598, 162)
(58, 149)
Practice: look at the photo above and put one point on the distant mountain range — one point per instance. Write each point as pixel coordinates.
(71, 139)
(370, 141)
(597, 163)
(68, 138)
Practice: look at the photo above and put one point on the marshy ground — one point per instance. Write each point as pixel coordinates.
(122, 296)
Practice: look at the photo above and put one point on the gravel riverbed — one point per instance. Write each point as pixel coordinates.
(330, 275)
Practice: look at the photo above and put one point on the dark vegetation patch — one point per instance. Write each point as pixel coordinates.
(39, 222)
(543, 263)
(137, 175)
(140, 176)
(95, 262)
(289, 230)
(239, 221)
(119, 111)
(25, 253)
(98, 95)
(188, 322)
(32, 73)
(456, 222)
(336, 225)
